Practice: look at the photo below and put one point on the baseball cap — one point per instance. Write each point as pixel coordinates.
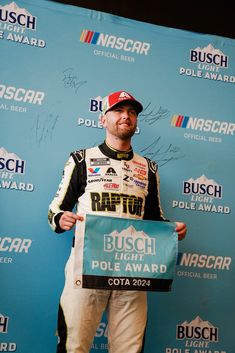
(116, 98)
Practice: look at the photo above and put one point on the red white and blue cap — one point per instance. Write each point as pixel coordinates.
(113, 99)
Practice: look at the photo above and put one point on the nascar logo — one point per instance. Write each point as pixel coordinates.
(215, 126)
(111, 41)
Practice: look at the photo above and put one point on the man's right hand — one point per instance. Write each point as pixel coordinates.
(68, 220)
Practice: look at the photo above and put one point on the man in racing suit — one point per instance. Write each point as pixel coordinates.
(107, 180)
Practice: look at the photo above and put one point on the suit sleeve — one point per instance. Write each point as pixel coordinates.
(69, 190)
(153, 210)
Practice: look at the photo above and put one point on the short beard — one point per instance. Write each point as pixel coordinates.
(126, 135)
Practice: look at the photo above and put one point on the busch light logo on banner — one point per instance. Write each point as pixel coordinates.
(115, 253)
(129, 242)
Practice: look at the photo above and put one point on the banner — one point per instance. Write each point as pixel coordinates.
(117, 253)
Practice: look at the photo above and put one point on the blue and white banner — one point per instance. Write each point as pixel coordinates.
(115, 253)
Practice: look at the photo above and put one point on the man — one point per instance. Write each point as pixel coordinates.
(119, 170)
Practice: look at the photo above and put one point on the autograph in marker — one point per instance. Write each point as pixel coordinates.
(72, 80)
(44, 126)
(151, 114)
(162, 153)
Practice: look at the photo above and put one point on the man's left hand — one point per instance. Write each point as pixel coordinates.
(181, 229)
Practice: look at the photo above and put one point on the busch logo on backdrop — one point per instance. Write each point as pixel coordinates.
(10, 162)
(196, 336)
(202, 186)
(10, 166)
(204, 194)
(95, 105)
(209, 61)
(197, 329)
(209, 55)
(6, 346)
(3, 323)
(13, 14)
(14, 23)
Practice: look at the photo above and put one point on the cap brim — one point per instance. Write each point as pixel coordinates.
(137, 105)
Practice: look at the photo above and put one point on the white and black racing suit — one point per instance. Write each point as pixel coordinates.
(103, 181)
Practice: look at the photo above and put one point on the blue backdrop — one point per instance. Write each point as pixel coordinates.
(57, 62)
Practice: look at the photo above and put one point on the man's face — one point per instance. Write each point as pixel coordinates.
(121, 122)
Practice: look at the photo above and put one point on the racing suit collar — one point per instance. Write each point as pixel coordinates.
(115, 154)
